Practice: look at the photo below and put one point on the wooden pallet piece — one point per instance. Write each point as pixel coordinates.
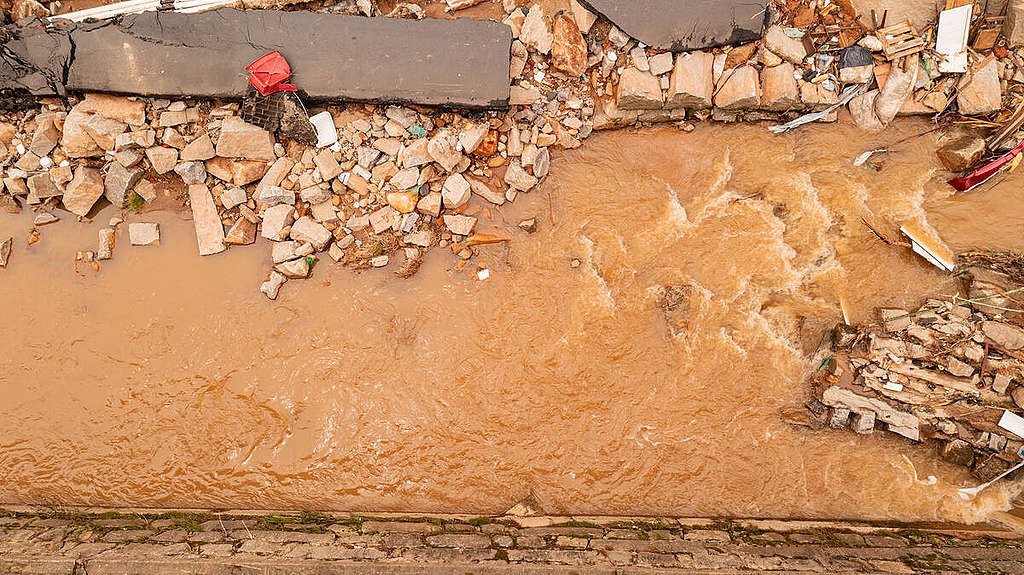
(900, 40)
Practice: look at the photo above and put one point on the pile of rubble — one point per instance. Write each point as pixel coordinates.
(399, 181)
(951, 372)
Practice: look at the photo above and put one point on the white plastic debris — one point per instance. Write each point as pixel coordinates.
(951, 39)
(326, 132)
(483, 274)
(1013, 423)
(938, 255)
(893, 386)
(46, 162)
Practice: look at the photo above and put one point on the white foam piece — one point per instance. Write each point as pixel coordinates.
(326, 131)
(1013, 423)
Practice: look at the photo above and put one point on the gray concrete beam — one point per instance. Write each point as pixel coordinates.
(679, 25)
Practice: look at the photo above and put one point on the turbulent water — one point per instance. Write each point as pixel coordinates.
(166, 379)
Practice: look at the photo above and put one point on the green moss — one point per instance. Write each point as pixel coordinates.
(135, 202)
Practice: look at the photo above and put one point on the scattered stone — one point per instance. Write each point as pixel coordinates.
(233, 197)
(442, 148)
(209, 230)
(962, 153)
(84, 190)
(406, 178)
(1004, 335)
(661, 63)
(326, 164)
(430, 205)
(519, 178)
(483, 190)
(272, 286)
(294, 269)
(200, 148)
(277, 221)
(741, 89)
(275, 175)
(790, 49)
(5, 251)
(863, 422)
(274, 195)
(242, 233)
(306, 229)
(104, 131)
(118, 108)
(404, 202)
(384, 219)
(75, 141)
(472, 135)
(535, 33)
(638, 91)
(584, 18)
(959, 452)
(42, 186)
(239, 139)
(144, 234)
(979, 91)
(691, 83)
(162, 159)
(568, 48)
(105, 249)
(455, 192)
(528, 225)
(44, 218)
(541, 163)
(778, 88)
(46, 136)
(192, 173)
(460, 225)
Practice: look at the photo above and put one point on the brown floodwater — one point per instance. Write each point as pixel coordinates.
(166, 379)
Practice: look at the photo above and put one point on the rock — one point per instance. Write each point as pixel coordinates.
(326, 164)
(384, 219)
(105, 248)
(639, 57)
(284, 251)
(242, 233)
(118, 182)
(519, 96)
(84, 190)
(840, 417)
(416, 154)
(42, 186)
(275, 195)
(191, 172)
(618, 38)
(75, 140)
(528, 225)
(535, 33)
(277, 221)
(200, 148)
(541, 163)
(421, 238)
(459, 225)
(519, 178)
(405, 179)
(442, 148)
(209, 230)
(481, 189)
(275, 175)
(691, 84)
(1017, 395)
(272, 286)
(863, 422)
(44, 218)
(958, 368)
(871, 43)
(162, 159)
(979, 91)
(959, 452)
(741, 89)
(1004, 335)
(9, 204)
(404, 202)
(22, 9)
(455, 192)
(172, 118)
(5, 251)
(239, 139)
(660, 63)
(790, 49)
(889, 321)
(145, 190)
(315, 194)
(1013, 26)
(638, 91)
(517, 60)
(962, 153)
(856, 74)
(390, 146)
(294, 269)
(104, 131)
(1001, 382)
(568, 49)
(115, 107)
(244, 171)
(232, 197)
(367, 156)
(769, 59)
(472, 135)
(584, 18)
(173, 139)
(45, 138)
(144, 234)
(778, 88)
(306, 229)
(430, 205)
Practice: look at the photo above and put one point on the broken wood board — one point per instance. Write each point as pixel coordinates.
(900, 40)
(928, 247)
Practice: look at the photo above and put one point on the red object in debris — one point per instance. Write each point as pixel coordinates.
(268, 72)
(982, 174)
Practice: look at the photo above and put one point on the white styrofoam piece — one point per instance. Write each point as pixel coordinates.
(326, 132)
(1013, 423)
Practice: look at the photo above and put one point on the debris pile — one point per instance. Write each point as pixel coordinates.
(950, 372)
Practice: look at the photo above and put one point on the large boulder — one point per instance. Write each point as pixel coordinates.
(83, 191)
(568, 49)
(779, 90)
(790, 49)
(638, 91)
(979, 91)
(741, 89)
(691, 85)
(961, 153)
(76, 140)
(239, 139)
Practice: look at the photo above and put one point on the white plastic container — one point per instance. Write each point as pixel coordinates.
(326, 132)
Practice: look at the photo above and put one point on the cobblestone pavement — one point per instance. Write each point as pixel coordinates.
(61, 543)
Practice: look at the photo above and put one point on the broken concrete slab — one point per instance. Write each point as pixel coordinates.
(34, 59)
(209, 231)
(459, 62)
(679, 25)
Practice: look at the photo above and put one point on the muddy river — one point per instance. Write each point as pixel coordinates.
(167, 379)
